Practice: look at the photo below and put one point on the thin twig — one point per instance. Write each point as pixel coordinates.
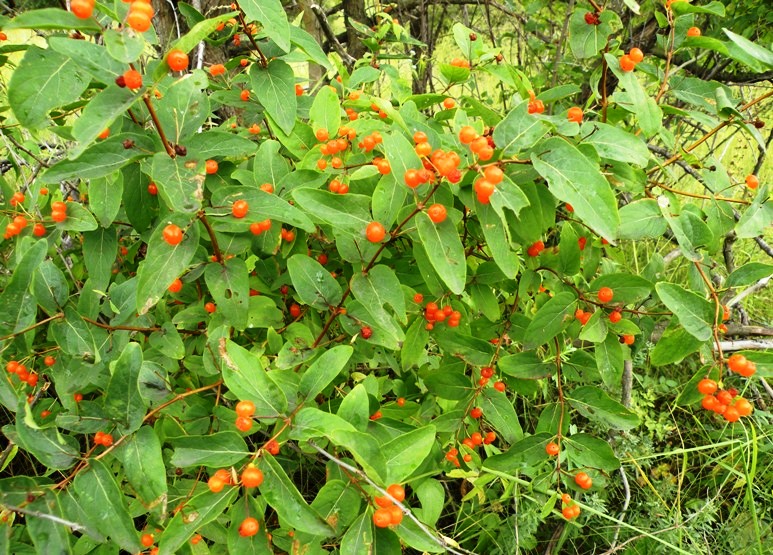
(33, 326)
(152, 111)
(212, 238)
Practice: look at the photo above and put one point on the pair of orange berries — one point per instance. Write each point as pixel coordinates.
(389, 514)
(58, 211)
(101, 438)
(741, 365)
(140, 14)
(628, 61)
(256, 228)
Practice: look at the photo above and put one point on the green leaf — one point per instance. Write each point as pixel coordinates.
(105, 197)
(323, 370)
(365, 450)
(595, 330)
(713, 8)
(473, 350)
(609, 361)
(99, 114)
(271, 15)
(309, 45)
(359, 537)
(405, 453)
(749, 273)
(750, 49)
(99, 248)
(229, 286)
(615, 143)
(641, 219)
(199, 32)
(584, 450)
(522, 455)
(50, 287)
(500, 413)
(274, 88)
(362, 75)
(47, 535)
(640, 103)
(526, 366)
(125, 47)
(628, 288)
(168, 341)
(262, 206)
(519, 130)
(690, 231)
(391, 191)
(180, 184)
(212, 143)
(287, 501)
(78, 218)
(89, 56)
(675, 344)
(445, 249)
(496, 232)
(244, 375)
(143, 464)
(413, 350)
(350, 212)
(215, 450)
(52, 19)
(43, 80)
(200, 510)
(596, 405)
(312, 423)
(13, 299)
(572, 177)
(122, 396)
(97, 489)
(47, 445)
(313, 283)
(757, 217)
(551, 319)
(377, 289)
(164, 262)
(325, 111)
(588, 40)
(695, 313)
(184, 107)
(101, 159)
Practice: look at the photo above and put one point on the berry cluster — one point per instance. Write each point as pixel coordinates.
(256, 228)
(433, 314)
(724, 401)
(101, 438)
(535, 106)
(338, 187)
(24, 375)
(389, 514)
(486, 373)
(569, 509)
(14, 227)
(485, 186)
(482, 147)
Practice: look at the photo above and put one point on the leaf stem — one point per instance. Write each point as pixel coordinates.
(152, 111)
(212, 237)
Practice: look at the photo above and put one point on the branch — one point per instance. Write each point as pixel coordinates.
(440, 540)
(746, 345)
(72, 525)
(348, 60)
(748, 291)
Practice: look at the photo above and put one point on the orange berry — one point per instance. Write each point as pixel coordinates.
(210, 307)
(243, 423)
(493, 174)
(322, 135)
(245, 408)
(249, 527)
(736, 362)
(449, 103)
(693, 32)
(605, 294)
(467, 134)
(744, 407)
(552, 449)
(240, 208)
(132, 78)
(626, 63)
(82, 9)
(252, 477)
(211, 167)
(382, 518)
(574, 114)
(636, 55)
(437, 213)
(375, 232)
(176, 286)
(172, 234)
(707, 386)
(146, 540)
(397, 491)
(104, 134)
(752, 182)
(177, 60)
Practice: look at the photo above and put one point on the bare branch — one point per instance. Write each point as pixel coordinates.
(748, 291)
(746, 345)
(349, 61)
(46, 516)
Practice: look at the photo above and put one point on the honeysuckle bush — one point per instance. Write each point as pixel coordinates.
(321, 292)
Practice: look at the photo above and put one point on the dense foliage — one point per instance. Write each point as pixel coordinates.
(243, 311)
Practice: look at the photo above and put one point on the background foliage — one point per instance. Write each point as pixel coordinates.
(356, 382)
